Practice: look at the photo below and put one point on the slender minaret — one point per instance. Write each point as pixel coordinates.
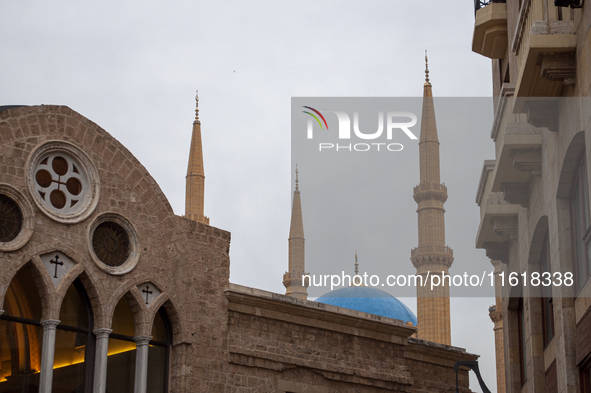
(195, 174)
(293, 278)
(432, 256)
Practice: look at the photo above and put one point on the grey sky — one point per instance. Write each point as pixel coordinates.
(133, 67)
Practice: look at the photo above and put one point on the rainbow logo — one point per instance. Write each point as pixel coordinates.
(314, 116)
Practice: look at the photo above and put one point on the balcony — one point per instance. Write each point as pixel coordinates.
(498, 218)
(518, 159)
(544, 43)
(490, 28)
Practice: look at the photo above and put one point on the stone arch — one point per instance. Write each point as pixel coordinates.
(42, 283)
(537, 240)
(572, 156)
(575, 151)
(174, 317)
(92, 288)
(145, 316)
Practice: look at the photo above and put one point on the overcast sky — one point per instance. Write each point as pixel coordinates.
(133, 68)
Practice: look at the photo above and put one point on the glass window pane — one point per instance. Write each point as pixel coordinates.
(22, 298)
(157, 369)
(68, 363)
(123, 322)
(159, 328)
(20, 357)
(120, 366)
(73, 311)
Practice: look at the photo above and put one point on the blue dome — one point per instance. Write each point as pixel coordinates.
(369, 300)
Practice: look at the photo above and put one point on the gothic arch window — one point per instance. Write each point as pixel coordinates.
(121, 355)
(580, 228)
(21, 335)
(74, 343)
(123, 350)
(159, 353)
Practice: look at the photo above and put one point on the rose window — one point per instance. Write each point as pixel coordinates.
(60, 182)
(110, 243)
(11, 219)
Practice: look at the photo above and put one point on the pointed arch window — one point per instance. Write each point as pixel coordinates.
(159, 353)
(122, 361)
(21, 335)
(122, 350)
(74, 343)
(581, 230)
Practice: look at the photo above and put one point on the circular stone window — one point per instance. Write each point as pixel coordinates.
(113, 243)
(63, 181)
(11, 219)
(16, 219)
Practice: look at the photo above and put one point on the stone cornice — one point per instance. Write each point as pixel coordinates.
(319, 315)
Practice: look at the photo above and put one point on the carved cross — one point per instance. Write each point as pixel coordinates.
(147, 292)
(56, 262)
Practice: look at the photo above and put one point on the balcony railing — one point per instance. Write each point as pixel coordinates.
(478, 4)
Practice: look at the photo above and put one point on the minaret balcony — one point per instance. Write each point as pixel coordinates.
(432, 256)
(427, 191)
(490, 28)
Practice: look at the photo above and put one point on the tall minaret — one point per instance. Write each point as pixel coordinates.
(195, 174)
(293, 278)
(432, 256)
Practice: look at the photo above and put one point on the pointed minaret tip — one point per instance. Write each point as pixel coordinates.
(427, 70)
(197, 106)
(356, 264)
(297, 180)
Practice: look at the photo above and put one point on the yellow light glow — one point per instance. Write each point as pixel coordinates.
(66, 364)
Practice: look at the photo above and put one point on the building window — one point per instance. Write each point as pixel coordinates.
(547, 304)
(63, 182)
(522, 352)
(585, 375)
(158, 354)
(122, 350)
(113, 243)
(74, 343)
(579, 206)
(21, 336)
(11, 219)
(121, 361)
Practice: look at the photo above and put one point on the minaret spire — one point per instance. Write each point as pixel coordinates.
(432, 256)
(195, 180)
(292, 279)
(426, 69)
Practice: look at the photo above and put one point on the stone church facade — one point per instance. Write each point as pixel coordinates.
(104, 289)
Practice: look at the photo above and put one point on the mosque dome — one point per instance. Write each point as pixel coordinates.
(369, 300)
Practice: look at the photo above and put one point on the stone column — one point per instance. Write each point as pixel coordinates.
(100, 360)
(47, 351)
(141, 363)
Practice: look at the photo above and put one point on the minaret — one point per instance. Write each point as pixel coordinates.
(293, 278)
(432, 256)
(195, 174)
